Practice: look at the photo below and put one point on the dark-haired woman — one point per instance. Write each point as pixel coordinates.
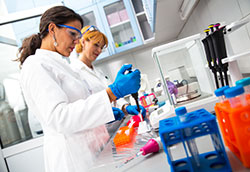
(71, 116)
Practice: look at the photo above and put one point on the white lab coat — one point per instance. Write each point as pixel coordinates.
(98, 80)
(72, 120)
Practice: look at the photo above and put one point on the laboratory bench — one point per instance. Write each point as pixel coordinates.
(112, 158)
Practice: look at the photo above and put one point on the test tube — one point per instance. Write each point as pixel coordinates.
(220, 93)
(181, 113)
(236, 96)
(245, 82)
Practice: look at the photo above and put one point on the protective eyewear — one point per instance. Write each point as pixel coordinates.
(74, 35)
(91, 28)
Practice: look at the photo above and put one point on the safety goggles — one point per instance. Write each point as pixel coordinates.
(76, 34)
(91, 28)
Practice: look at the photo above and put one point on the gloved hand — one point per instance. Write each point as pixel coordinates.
(118, 113)
(126, 83)
(132, 109)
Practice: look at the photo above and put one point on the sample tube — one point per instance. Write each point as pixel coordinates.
(181, 113)
(245, 82)
(220, 93)
(236, 96)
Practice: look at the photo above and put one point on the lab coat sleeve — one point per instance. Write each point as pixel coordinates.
(53, 107)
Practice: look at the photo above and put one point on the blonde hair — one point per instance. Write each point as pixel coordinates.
(95, 36)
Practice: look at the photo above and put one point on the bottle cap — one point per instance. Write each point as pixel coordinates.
(220, 91)
(180, 110)
(244, 82)
(234, 91)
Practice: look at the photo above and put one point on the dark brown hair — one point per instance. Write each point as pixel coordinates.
(57, 15)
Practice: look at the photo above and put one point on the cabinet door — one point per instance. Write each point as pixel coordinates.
(142, 18)
(150, 9)
(91, 16)
(120, 24)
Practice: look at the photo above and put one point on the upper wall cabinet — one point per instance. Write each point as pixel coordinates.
(91, 16)
(150, 10)
(126, 23)
(120, 24)
(78, 4)
(145, 20)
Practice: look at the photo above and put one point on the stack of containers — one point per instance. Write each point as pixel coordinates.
(233, 115)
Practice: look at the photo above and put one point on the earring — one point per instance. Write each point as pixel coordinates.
(55, 43)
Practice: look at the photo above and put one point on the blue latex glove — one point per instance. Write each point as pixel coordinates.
(126, 83)
(118, 113)
(132, 109)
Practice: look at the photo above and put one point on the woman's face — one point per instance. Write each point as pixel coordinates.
(92, 50)
(67, 37)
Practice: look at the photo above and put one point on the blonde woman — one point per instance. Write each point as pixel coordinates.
(89, 48)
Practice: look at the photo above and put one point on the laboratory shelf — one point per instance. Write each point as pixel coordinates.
(119, 24)
(235, 57)
(141, 13)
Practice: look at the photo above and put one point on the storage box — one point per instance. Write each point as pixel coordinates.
(123, 15)
(113, 18)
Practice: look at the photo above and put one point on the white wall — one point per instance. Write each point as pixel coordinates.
(206, 12)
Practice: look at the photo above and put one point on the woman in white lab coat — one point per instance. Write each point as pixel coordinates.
(70, 114)
(89, 48)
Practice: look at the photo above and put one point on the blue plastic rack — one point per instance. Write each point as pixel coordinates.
(199, 123)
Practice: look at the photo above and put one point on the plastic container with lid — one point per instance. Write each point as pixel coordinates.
(181, 113)
(245, 82)
(236, 96)
(220, 93)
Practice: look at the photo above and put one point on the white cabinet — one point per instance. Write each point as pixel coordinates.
(28, 161)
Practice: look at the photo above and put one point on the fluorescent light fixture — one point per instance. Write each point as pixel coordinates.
(186, 8)
(26, 14)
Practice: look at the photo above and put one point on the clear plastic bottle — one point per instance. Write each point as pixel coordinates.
(245, 82)
(220, 93)
(181, 113)
(236, 96)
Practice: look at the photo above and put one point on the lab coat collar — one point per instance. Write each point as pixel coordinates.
(80, 65)
(51, 55)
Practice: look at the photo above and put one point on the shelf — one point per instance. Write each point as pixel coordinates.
(119, 24)
(235, 57)
(140, 13)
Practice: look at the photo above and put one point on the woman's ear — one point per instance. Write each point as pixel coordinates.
(83, 41)
(52, 28)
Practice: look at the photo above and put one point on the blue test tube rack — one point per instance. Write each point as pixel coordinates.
(201, 123)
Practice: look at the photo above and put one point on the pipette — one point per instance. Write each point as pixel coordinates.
(153, 145)
(135, 96)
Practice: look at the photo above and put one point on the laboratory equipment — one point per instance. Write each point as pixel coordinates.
(234, 121)
(220, 93)
(201, 124)
(163, 112)
(209, 58)
(152, 146)
(236, 96)
(245, 82)
(9, 132)
(181, 113)
(148, 100)
(220, 51)
(124, 135)
(183, 61)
